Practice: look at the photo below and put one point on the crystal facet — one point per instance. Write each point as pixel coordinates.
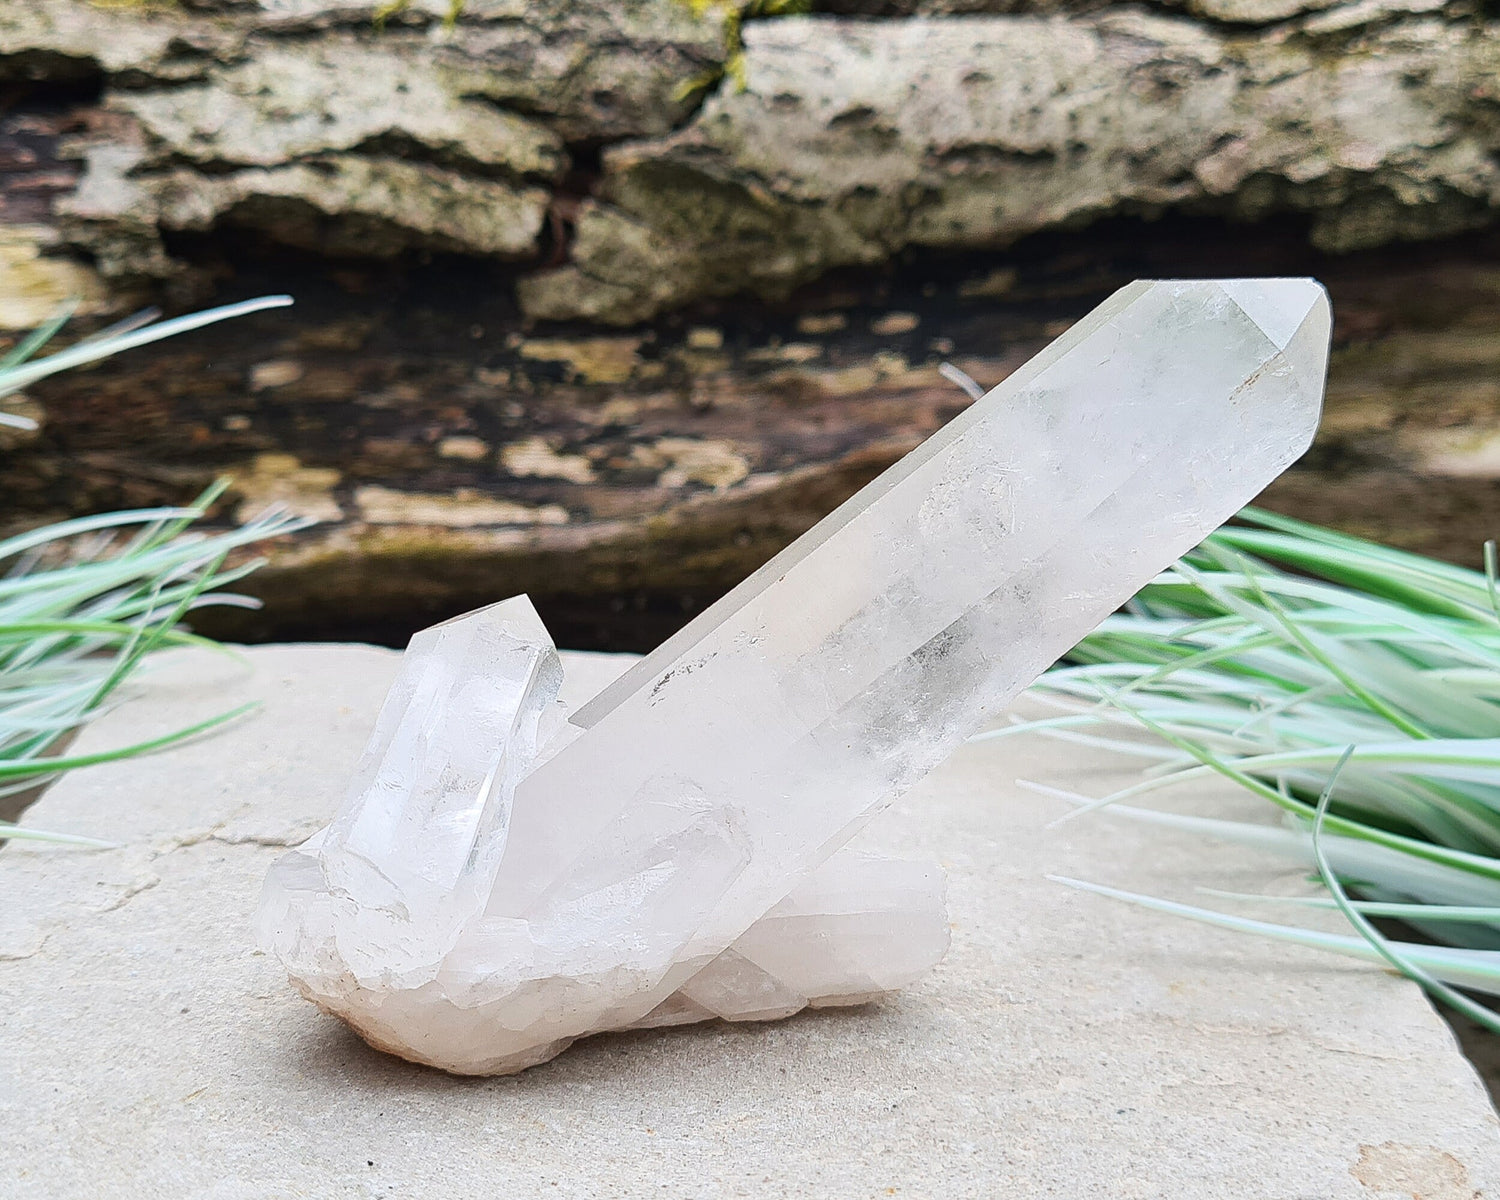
(505, 878)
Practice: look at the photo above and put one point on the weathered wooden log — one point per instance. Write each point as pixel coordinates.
(581, 316)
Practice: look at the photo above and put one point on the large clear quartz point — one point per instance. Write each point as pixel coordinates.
(504, 877)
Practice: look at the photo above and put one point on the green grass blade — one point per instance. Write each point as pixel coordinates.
(23, 770)
(84, 353)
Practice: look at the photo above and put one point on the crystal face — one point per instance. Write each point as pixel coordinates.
(505, 878)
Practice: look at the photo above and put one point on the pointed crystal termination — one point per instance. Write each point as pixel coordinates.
(501, 881)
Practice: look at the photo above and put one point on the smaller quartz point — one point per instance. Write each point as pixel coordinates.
(505, 877)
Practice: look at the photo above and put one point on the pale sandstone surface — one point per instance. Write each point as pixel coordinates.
(1067, 1046)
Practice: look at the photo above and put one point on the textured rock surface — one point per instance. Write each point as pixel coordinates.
(831, 143)
(918, 187)
(364, 138)
(852, 141)
(1066, 1044)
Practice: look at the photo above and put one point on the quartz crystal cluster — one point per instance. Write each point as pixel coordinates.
(505, 876)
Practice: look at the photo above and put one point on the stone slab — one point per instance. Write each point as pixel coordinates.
(1068, 1046)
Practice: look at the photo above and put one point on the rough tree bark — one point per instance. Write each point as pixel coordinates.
(606, 301)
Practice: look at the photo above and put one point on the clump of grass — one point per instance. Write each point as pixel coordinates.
(1353, 686)
(84, 601)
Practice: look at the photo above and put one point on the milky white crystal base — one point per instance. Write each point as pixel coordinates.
(506, 877)
(379, 917)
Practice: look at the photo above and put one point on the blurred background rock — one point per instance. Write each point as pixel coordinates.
(607, 300)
